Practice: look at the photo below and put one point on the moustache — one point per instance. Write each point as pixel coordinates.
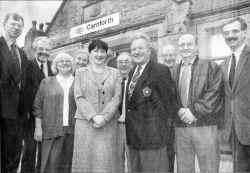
(43, 54)
(232, 39)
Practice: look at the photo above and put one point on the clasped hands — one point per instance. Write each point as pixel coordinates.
(186, 115)
(98, 121)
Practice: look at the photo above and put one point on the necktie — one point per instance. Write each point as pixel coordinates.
(16, 64)
(133, 81)
(41, 67)
(232, 70)
(184, 83)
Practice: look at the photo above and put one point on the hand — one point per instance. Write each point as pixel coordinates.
(187, 116)
(98, 121)
(38, 134)
(181, 112)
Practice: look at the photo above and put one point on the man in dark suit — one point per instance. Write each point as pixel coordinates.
(38, 69)
(12, 81)
(201, 95)
(237, 83)
(151, 100)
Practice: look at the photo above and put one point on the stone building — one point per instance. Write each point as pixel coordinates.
(162, 20)
(30, 36)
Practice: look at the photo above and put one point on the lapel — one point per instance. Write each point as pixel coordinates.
(93, 78)
(143, 78)
(37, 70)
(7, 59)
(6, 55)
(225, 71)
(241, 64)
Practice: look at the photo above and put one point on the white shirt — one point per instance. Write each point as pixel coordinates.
(45, 67)
(237, 54)
(122, 117)
(65, 83)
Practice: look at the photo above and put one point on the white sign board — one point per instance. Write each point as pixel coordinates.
(96, 25)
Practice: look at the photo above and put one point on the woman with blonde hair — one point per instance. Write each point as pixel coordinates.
(54, 108)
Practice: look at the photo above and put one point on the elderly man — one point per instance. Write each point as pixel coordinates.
(81, 59)
(169, 56)
(13, 65)
(124, 65)
(151, 100)
(38, 69)
(200, 93)
(237, 83)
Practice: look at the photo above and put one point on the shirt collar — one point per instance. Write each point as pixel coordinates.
(8, 40)
(239, 50)
(191, 62)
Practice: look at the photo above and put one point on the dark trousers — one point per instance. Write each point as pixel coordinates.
(148, 160)
(30, 163)
(241, 154)
(57, 154)
(171, 149)
(11, 145)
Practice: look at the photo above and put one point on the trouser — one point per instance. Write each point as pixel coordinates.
(241, 154)
(148, 160)
(31, 149)
(122, 149)
(11, 145)
(200, 141)
(57, 154)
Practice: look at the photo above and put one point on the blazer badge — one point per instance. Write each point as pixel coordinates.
(146, 92)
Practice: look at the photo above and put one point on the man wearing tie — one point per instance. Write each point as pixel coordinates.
(12, 81)
(124, 65)
(38, 69)
(200, 93)
(237, 83)
(151, 100)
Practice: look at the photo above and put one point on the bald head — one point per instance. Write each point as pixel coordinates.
(168, 55)
(187, 46)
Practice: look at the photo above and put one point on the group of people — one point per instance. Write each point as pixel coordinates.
(75, 117)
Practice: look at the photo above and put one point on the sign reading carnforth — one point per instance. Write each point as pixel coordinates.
(96, 25)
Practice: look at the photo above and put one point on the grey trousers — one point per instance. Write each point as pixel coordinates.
(199, 141)
(122, 150)
(57, 154)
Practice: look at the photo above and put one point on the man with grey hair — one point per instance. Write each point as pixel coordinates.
(150, 102)
(13, 65)
(200, 94)
(38, 68)
(124, 65)
(168, 55)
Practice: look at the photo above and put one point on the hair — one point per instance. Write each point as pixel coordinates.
(15, 16)
(81, 52)
(124, 54)
(58, 58)
(41, 39)
(141, 36)
(191, 34)
(243, 24)
(99, 44)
